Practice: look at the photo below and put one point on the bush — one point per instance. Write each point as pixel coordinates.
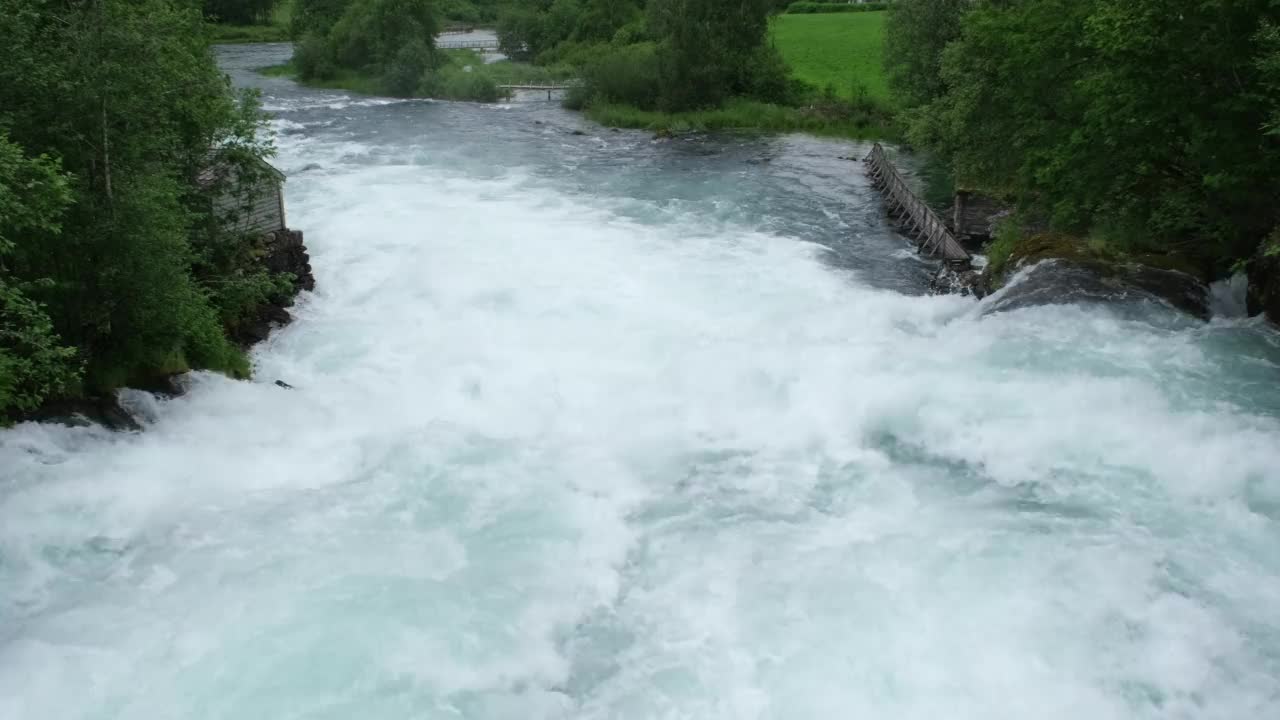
(627, 74)
(768, 78)
(313, 59)
(459, 11)
(809, 8)
(459, 83)
(404, 72)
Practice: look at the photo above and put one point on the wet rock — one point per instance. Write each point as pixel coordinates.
(957, 280)
(578, 132)
(283, 384)
(286, 252)
(1071, 282)
(83, 412)
(1064, 269)
(1264, 280)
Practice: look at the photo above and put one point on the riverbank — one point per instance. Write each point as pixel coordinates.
(832, 120)
(468, 78)
(463, 76)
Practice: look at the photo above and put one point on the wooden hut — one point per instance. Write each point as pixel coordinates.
(975, 215)
(248, 202)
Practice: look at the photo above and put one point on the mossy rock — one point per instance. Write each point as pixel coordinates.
(1171, 278)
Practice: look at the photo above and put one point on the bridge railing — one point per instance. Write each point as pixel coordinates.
(932, 235)
(466, 44)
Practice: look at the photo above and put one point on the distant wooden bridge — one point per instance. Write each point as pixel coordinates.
(931, 234)
(549, 88)
(476, 44)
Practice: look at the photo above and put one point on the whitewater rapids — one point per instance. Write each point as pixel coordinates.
(608, 428)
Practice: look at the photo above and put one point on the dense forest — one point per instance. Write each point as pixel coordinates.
(1142, 126)
(114, 269)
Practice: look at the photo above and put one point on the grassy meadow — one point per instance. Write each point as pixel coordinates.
(844, 50)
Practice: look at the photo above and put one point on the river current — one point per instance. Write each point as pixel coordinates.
(606, 427)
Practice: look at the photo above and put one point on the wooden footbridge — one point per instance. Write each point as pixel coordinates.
(550, 88)
(474, 44)
(931, 234)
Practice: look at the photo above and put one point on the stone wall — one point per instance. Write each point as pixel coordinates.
(285, 253)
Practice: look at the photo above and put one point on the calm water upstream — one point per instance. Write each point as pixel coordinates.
(602, 427)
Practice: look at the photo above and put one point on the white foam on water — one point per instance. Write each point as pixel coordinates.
(1228, 297)
(545, 462)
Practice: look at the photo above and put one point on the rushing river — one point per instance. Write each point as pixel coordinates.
(598, 426)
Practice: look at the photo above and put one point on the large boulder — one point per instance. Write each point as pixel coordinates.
(285, 252)
(1065, 270)
(1264, 280)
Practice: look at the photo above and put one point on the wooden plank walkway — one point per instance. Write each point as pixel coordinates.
(932, 235)
(549, 88)
(466, 44)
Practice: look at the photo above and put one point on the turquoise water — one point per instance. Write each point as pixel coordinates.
(602, 427)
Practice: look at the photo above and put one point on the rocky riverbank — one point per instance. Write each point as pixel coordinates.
(1065, 270)
(285, 252)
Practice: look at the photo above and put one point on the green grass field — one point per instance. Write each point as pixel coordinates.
(844, 50)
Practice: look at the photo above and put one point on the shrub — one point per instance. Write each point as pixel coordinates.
(459, 83)
(404, 72)
(627, 74)
(313, 59)
(767, 78)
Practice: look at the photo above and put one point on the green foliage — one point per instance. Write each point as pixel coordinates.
(371, 34)
(1007, 233)
(627, 74)
(706, 48)
(403, 75)
(313, 58)
(916, 33)
(468, 12)
(316, 16)
(745, 115)
(811, 8)
(393, 40)
(34, 364)
(276, 28)
(845, 52)
(116, 277)
(240, 12)
(1124, 121)
(1269, 67)
(460, 83)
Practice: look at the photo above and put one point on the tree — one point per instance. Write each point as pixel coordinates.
(121, 285)
(240, 12)
(1137, 122)
(34, 364)
(707, 48)
(916, 33)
